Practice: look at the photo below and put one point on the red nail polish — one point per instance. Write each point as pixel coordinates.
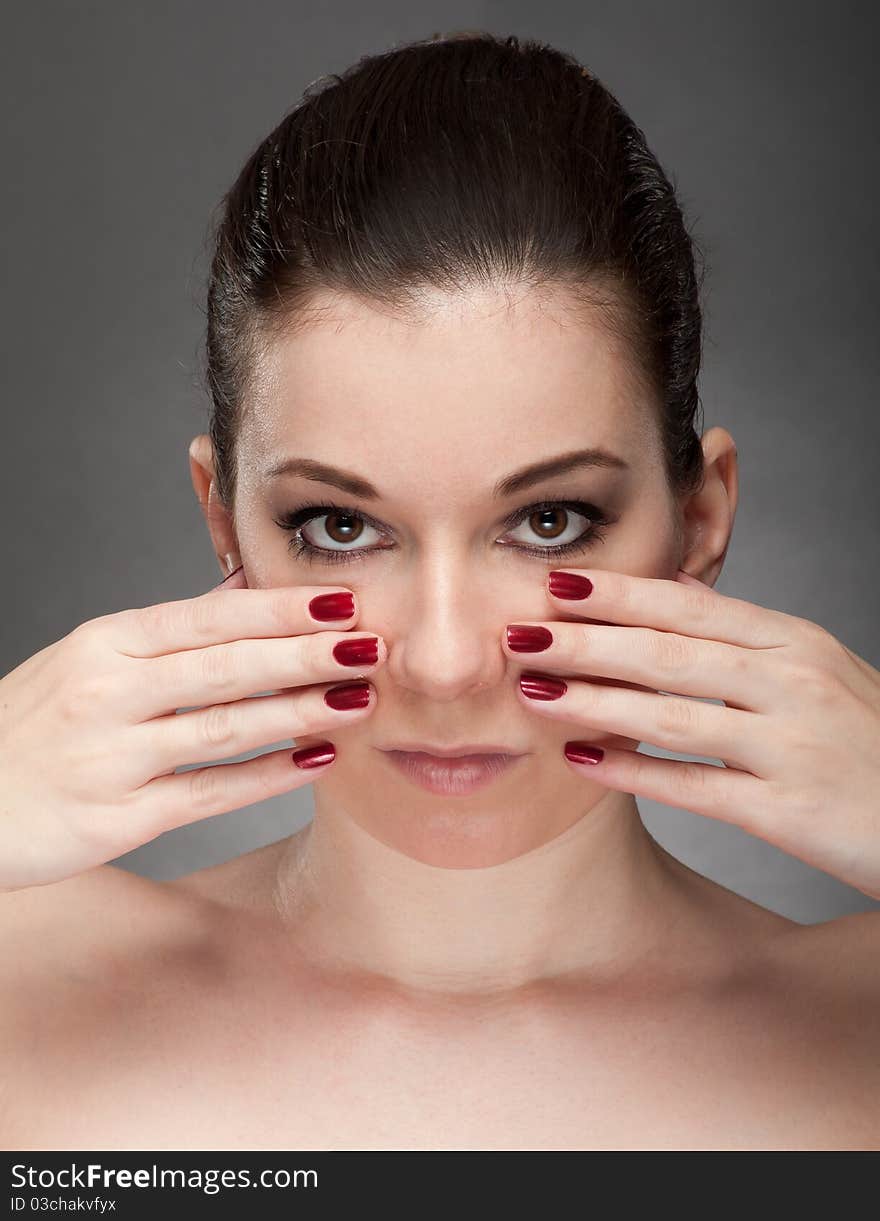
(537, 687)
(363, 652)
(314, 756)
(332, 606)
(582, 752)
(349, 695)
(569, 585)
(525, 639)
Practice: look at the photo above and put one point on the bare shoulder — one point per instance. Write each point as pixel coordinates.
(835, 966)
(846, 948)
(91, 930)
(48, 918)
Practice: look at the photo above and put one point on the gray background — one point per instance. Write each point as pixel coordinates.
(124, 124)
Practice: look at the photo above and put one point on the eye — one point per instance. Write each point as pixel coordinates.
(338, 525)
(330, 528)
(553, 523)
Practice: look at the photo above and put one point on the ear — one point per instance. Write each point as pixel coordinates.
(708, 514)
(217, 517)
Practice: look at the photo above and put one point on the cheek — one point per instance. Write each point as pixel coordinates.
(647, 545)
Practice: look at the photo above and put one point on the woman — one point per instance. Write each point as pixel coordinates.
(453, 343)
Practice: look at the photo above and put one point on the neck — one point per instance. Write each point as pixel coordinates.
(588, 900)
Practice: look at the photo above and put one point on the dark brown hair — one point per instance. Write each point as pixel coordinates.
(453, 162)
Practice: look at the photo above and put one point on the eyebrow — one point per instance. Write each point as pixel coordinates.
(519, 481)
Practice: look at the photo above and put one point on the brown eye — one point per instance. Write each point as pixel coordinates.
(339, 527)
(548, 523)
(334, 529)
(558, 524)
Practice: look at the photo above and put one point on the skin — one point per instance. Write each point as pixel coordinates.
(524, 967)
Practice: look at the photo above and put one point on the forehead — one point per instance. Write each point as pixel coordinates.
(472, 388)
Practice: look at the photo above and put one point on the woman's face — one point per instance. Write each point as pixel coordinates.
(435, 417)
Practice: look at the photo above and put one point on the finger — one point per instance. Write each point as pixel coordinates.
(226, 672)
(223, 615)
(675, 606)
(703, 788)
(689, 726)
(173, 801)
(662, 661)
(249, 724)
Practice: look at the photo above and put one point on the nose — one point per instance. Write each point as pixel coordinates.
(446, 640)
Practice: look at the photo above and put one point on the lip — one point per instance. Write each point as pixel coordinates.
(451, 776)
(452, 752)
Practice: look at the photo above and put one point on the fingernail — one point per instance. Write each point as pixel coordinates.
(537, 687)
(525, 639)
(582, 752)
(349, 695)
(363, 652)
(332, 606)
(569, 585)
(314, 756)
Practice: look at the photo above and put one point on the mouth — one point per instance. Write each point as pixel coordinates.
(451, 775)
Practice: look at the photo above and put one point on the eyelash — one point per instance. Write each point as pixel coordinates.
(295, 518)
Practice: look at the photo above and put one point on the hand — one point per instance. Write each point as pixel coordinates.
(798, 733)
(90, 737)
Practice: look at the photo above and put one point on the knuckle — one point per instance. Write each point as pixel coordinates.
(700, 785)
(694, 779)
(87, 644)
(306, 658)
(295, 719)
(284, 613)
(84, 634)
(704, 607)
(670, 653)
(200, 616)
(622, 594)
(204, 788)
(816, 641)
(315, 651)
(583, 639)
(218, 666)
(154, 620)
(812, 683)
(261, 777)
(218, 725)
(826, 645)
(812, 633)
(675, 718)
(589, 697)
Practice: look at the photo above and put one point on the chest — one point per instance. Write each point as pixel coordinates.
(315, 1074)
